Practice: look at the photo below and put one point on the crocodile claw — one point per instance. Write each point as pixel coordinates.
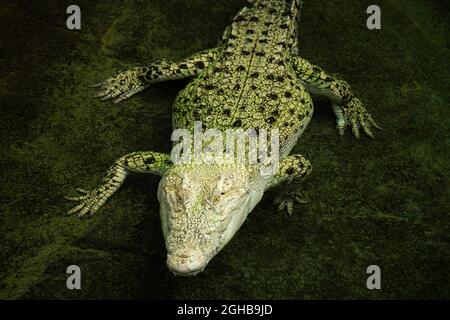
(130, 93)
(98, 85)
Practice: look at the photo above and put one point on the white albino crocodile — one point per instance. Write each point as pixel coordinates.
(253, 79)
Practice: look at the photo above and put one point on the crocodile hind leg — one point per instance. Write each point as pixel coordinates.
(127, 83)
(140, 162)
(349, 110)
(292, 168)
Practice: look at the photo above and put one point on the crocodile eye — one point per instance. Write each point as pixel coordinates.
(229, 198)
(174, 200)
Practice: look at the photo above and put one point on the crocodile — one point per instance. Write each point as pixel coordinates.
(254, 78)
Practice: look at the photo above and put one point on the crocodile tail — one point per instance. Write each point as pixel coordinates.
(293, 5)
(298, 3)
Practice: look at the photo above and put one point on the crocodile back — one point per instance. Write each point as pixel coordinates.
(251, 85)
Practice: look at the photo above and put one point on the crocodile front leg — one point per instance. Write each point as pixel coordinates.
(348, 109)
(291, 168)
(140, 162)
(127, 83)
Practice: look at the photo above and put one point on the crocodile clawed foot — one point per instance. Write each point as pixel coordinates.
(356, 117)
(286, 201)
(89, 204)
(122, 86)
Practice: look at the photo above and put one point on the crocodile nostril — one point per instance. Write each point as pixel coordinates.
(186, 262)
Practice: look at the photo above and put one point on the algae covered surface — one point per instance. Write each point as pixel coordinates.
(383, 202)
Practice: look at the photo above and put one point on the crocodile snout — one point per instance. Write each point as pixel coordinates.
(186, 262)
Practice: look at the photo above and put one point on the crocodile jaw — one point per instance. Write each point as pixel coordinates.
(201, 209)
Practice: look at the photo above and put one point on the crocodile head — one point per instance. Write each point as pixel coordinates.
(202, 207)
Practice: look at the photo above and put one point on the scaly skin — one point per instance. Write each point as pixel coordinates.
(253, 79)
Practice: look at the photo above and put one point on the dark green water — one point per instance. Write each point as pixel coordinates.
(383, 202)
